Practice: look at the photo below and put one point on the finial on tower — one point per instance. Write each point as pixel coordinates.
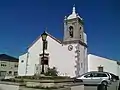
(74, 9)
(65, 17)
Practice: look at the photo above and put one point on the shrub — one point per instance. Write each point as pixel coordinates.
(52, 72)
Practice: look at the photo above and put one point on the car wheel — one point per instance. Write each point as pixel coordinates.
(104, 83)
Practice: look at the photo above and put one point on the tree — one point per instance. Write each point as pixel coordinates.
(52, 72)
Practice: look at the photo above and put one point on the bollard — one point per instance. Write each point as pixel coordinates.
(102, 87)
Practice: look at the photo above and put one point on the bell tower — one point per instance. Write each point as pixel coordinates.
(73, 27)
(75, 39)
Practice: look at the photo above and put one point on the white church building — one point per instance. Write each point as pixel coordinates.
(69, 56)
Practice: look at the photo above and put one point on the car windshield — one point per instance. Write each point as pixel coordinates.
(114, 76)
(84, 74)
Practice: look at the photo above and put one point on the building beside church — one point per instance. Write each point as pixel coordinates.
(97, 63)
(69, 56)
(8, 66)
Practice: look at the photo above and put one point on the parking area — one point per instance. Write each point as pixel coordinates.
(113, 86)
(94, 79)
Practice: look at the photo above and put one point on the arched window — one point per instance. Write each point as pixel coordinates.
(71, 31)
(80, 28)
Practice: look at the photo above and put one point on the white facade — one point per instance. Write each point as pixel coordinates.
(59, 56)
(22, 65)
(72, 62)
(108, 65)
(68, 62)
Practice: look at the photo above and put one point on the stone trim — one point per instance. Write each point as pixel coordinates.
(75, 41)
(76, 20)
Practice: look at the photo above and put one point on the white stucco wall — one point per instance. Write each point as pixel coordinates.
(65, 60)
(109, 65)
(62, 58)
(59, 57)
(22, 65)
(34, 51)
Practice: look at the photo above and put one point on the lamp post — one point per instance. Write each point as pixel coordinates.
(44, 36)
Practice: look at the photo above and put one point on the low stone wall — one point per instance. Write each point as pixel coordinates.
(45, 85)
(67, 86)
(25, 88)
(34, 86)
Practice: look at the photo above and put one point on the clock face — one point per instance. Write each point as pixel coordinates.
(70, 47)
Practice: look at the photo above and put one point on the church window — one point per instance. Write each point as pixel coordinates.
(71, 31)
(80, 28)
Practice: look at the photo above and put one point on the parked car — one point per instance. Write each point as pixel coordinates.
(96, 77)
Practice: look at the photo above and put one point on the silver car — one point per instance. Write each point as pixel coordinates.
(95, 77)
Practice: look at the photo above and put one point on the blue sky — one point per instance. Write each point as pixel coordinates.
(22, 21)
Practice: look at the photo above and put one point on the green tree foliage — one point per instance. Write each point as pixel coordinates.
(52, 72)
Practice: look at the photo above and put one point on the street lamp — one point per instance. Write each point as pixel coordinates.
(44, 36)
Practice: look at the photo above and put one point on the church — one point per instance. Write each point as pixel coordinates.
(69, 56)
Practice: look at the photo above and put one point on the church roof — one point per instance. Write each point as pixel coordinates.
(59, 41)
(56, 39)
(73, 15)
